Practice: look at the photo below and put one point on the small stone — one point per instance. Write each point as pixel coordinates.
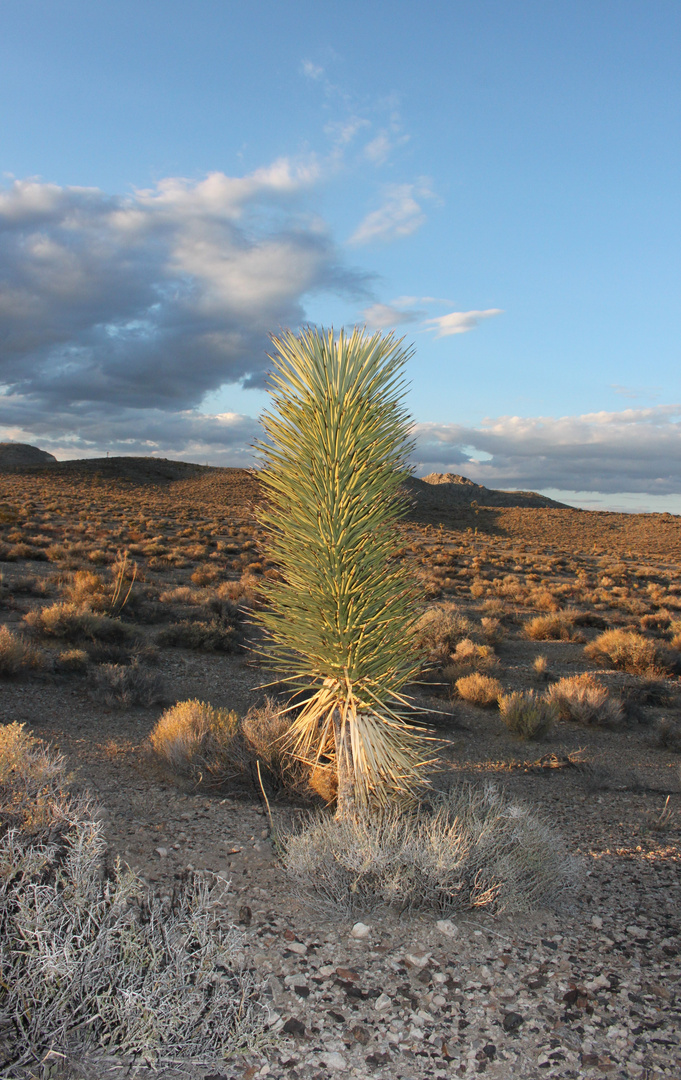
(417, 957)
(360, 931)
(597, 922)
(297, 947)
(447, 927)
(293, 1027)
(361, 1033)
(162, 852)
(326, 970)
(637, 932)
(347, 973)
(333, 1061)
(512, 1021)
(382, 1003)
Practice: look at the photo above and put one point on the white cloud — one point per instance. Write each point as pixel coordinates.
(636, 450)
(379, 149)
(153, 300)
(312, 71)
(400, 215)
(385, 316)
(459, 322)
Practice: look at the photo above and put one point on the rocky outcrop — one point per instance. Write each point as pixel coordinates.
(450, 491)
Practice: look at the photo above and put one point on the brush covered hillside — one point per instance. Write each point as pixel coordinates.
(551, 676)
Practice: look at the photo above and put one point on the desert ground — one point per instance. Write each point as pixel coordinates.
(174, 555)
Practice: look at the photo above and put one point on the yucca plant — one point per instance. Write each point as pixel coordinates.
(340, 618)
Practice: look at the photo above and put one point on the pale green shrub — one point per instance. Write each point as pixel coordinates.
(472, 847)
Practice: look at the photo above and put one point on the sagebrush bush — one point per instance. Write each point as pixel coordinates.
(214, 635)
(123, 685)
(17, 655)
(555, 627)
(472, 847)
(439, 630)
(632, 652)
(211, 747)
(90, 962)
(528, 715)
(69, 622)
(480, 690)
(583, 700)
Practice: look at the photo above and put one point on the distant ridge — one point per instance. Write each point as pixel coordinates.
(141, 470)
(438, 492)
(17, 454)
(445, 491)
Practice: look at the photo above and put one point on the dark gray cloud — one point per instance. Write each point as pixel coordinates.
(151, 301)
(637, 450)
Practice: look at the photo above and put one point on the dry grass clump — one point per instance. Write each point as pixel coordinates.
(528, 715)
(72, 661)
(122, 685)
(210, 747)
(630, 651)
(558, 626)
(583, 700)
(439, 630)
(480, 690)
(540, 668)
(90, 962)
(17, 655)
(198, 742)
(69, 622)
(472, 847)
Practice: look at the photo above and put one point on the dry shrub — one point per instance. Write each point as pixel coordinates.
(240, 592)
(480, 690)
(210, 747)
(86, 589)
(73, 661)
(439, 630)
(472, 847)
(30, 586)
(492, 630)
(528, 715)
(122, 685)
(543, 599)
(70, 623)
(629, 651)
(91, 962)
(198, 742)
(204, 575)
(540, 667)
(182, 594)
(469, 657)
(17, 655)
(584, 700)
(668, 735)
(209, 636)
(556, 627)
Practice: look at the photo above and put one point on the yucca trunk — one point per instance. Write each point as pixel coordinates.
(340, 617)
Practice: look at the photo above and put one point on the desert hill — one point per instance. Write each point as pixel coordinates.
(450, 491)
(16, 455)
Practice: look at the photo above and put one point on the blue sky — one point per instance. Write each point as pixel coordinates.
(497, 181)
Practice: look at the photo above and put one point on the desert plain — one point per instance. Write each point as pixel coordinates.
(587, 987)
